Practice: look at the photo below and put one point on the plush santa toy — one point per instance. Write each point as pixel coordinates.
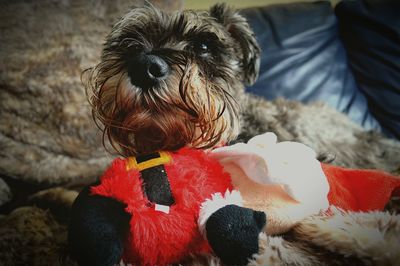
(187, 202)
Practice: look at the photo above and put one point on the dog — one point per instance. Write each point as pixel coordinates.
(172, 80)
(167, 81)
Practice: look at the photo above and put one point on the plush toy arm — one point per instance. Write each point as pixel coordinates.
(231, 230)
(97, 229)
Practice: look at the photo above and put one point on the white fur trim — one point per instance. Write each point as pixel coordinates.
(217, 202)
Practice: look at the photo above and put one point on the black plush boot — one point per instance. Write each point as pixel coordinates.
(233, 231)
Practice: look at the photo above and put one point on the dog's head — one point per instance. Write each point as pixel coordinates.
(170, 80)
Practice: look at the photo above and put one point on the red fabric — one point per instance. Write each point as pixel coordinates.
(360, 190)
(157, 238)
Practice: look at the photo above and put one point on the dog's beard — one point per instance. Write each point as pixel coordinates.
(183, 110)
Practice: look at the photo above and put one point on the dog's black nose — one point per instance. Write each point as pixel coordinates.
(147, 70)
(157, 67)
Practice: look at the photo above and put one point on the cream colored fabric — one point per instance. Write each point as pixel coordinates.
(283, 179)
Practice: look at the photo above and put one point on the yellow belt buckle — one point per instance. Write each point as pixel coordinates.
(164, 158)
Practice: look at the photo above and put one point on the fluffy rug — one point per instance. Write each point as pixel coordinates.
(36, 235)
(46, 130)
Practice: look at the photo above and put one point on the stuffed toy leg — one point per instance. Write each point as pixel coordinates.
(231, 230)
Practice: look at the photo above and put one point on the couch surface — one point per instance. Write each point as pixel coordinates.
(370, 31)
(349, 60)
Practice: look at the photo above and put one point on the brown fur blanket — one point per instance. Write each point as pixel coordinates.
(36, 235)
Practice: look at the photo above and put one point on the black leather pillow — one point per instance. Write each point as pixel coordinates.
(370, 31)
(303, 58)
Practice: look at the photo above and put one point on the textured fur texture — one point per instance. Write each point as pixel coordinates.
(5, 192)
(30, 234)
(328, 132)
(46, 132)
(46, 135)
(340, 239)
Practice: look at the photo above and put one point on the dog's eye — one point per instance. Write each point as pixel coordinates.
(201, 49)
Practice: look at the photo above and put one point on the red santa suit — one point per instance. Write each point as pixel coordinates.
(161, 235)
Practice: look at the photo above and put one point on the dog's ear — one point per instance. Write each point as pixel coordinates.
(240, 30)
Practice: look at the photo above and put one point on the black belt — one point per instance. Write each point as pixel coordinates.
(155, 179)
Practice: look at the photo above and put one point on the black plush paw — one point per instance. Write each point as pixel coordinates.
(97, 230)
(233, 231)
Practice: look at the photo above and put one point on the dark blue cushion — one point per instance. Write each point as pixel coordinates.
(303, 58)
(370, 31)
